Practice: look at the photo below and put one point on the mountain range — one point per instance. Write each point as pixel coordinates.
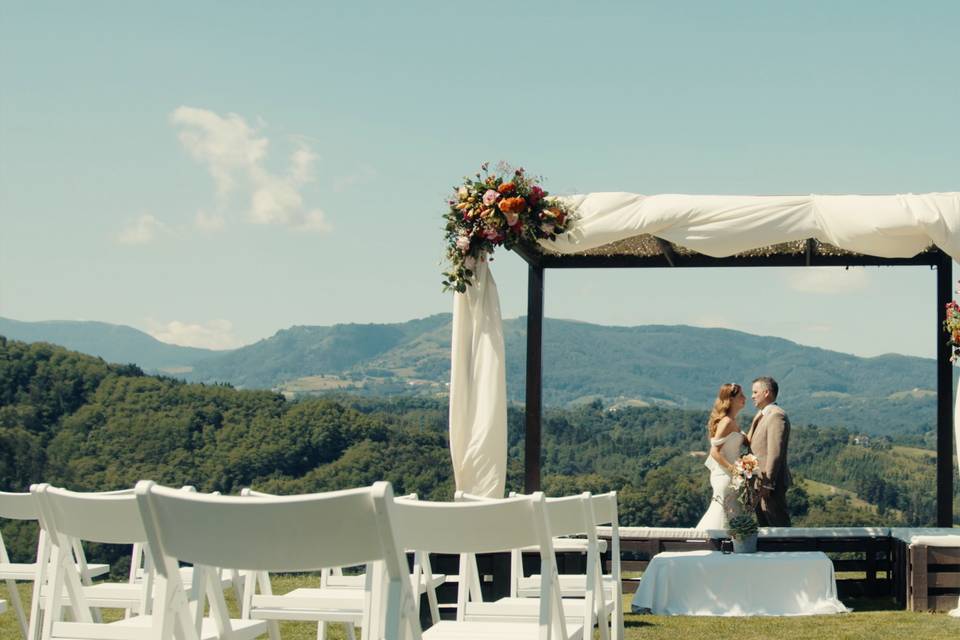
(663, 365)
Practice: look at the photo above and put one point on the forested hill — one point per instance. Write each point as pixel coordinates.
(76, 421)
(674, 366)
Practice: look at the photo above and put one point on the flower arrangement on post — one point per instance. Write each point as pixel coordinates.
(503, 207)
(952, 326)
(746, 482)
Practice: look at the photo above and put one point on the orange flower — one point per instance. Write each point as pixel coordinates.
(513, 205)
(507, 187)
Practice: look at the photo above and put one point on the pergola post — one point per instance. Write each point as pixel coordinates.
(944, 396)
(534, 391)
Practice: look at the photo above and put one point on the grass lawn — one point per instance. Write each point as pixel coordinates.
(871, 620)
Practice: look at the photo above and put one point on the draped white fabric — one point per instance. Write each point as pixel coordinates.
(887, 226)
(478, 389)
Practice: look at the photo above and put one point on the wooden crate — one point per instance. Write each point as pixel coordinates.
(931, 577)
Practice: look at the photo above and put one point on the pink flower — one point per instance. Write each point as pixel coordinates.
(490, 197)
(490, 233)
(470, 262)
(463, 244)
(512, 218)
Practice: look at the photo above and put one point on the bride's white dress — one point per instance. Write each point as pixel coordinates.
(724, 498)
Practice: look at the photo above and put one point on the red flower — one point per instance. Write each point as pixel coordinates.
(536, 195)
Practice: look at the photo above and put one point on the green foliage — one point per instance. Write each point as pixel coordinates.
(743, 525)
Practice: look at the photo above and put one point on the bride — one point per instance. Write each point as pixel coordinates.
(725, 442)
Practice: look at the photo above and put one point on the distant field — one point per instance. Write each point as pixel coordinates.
(317, 383)
(815, 488)
(913, 452)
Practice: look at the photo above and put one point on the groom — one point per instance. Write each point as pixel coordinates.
(769, 436)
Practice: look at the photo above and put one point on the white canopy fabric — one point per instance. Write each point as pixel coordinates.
(887, 226)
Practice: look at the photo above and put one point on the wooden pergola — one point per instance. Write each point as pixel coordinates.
(646, 251)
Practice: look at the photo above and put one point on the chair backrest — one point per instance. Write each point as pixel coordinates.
(108, 518)
(467, 527)
(18, 506)
(605, 508)
(278, 533)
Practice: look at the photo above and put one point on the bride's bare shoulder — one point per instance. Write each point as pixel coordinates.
(724, 426)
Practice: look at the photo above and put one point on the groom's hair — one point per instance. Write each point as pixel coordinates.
(770, 384)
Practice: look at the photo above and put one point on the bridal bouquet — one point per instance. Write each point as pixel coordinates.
(504, 207)
(746, 480)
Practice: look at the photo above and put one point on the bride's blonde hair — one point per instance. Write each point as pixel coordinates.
(721, 406)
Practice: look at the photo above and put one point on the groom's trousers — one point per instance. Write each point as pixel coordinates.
(772, 510)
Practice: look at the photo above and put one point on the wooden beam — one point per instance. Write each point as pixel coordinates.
(667, 250)
(699, 260)
(530, 255)
(534, 393)
(944, 396)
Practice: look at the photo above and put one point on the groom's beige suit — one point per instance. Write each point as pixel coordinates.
(769, 437)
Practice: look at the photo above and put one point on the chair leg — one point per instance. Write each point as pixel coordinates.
(434, 606)
(14, 596)
(321, 630)
(617, 620)
(273, 630)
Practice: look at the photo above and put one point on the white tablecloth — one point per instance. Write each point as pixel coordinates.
(711, 583)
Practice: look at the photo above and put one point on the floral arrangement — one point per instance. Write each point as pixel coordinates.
(952, 326)
(503, 207)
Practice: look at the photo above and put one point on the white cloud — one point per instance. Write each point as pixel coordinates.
(234, 154)
(215, 334)
(143, 230)
(828, 280)
(209, 221)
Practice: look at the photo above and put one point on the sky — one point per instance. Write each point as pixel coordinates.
(214, 172)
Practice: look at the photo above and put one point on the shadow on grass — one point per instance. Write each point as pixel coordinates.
(638, 624)
(863, 603)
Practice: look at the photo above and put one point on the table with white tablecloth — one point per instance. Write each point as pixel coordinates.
(712, 583)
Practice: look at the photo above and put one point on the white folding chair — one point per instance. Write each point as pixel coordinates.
(487, 527)
(130, 595)
(115, 519)
(566, 516)
(21, 506)
(605, 512)
(289, 534)
(603, 509)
